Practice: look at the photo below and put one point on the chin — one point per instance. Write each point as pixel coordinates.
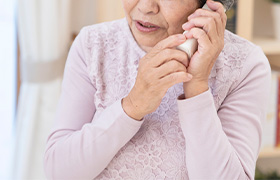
(147, 40)
(144, 40)
(148, 43)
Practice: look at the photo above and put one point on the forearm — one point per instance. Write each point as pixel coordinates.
(86, 153)
(209, 153)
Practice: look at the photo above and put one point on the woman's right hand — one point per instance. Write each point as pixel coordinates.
(160, 69)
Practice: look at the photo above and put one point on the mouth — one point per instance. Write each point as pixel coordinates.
(146, 27)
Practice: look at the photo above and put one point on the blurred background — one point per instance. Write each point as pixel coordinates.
(35, 37)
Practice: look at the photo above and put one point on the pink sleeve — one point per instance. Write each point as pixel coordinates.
(79, 148)
(225, 144)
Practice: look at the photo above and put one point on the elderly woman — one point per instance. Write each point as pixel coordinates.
(133, 106)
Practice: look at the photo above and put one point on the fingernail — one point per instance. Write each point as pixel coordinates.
(189, 76)
(212, 2)
(190, 16)
(185, 26)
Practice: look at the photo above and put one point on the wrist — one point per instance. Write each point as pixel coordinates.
(194, 88)
(130, 110)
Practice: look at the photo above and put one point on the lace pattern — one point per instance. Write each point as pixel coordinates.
(157, 151)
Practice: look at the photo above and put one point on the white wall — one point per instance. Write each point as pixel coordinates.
(8, 74)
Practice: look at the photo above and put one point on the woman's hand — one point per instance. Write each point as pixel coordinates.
(161, 68)
(208, 28)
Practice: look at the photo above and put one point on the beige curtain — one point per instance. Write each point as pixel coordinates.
(44, 38)
(109, 10)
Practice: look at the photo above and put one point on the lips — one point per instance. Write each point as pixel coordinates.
(146, 26)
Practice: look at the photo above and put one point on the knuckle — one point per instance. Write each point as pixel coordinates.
(151, 54)
(216, 15)
(199, 11)
(184, 68)
(167, 52)
(211, 20)
(200, 33)
(193, 30)
(221, 7)
(173, 77)
(179, 66)
(175, 37)
(159, 46)
(174, 65)
(192, 21)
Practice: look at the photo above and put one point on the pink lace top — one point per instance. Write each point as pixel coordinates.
(215, 135)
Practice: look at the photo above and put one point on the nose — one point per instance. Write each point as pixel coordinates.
(148, 6)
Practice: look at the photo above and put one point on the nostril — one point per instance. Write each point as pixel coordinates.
(148, 7)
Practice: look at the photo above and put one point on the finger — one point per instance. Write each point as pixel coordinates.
(219, 8)
(170, 42)
(208, 25)
(205, 13)
(168, 55)
(201, 36)
(170, 67)
(175, 78)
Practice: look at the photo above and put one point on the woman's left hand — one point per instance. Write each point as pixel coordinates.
(207, 28)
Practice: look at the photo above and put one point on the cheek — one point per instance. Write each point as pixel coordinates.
(177, 17)
(175, 22)
(128, 5)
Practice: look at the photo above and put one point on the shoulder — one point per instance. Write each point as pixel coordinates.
(103, 33)
(240, 61)
(240, 56)
(239, 52)
(244, 55)
(107, 45)
(101, 42)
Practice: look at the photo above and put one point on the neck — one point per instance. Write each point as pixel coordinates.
(146, 48)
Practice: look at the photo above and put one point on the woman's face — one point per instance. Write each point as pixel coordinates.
(154, 20)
